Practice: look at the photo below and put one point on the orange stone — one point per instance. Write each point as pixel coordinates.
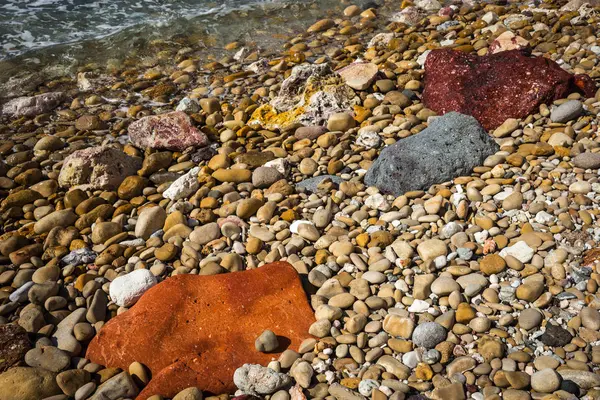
(194, 330)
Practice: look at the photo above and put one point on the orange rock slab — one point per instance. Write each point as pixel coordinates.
(194, 330)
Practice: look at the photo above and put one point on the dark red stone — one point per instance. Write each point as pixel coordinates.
(495, 87)
(194, 330)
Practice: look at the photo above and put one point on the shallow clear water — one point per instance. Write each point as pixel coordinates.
(27, 25)
(43, 39)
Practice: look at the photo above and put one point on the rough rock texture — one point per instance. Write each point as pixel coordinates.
(184, 186)
(409, 16)
(451, 146)
(555, 336)
(14, 343)
(127, 289)
(508, 41)
(359, 75)
(493, 88)
(170, 131)
(23, 383)
(32, 106)
(258, 380)
(573, 5)
(308, 96)
(211, 322)
(100, 167)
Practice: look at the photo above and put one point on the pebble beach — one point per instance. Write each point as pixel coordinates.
(395, 200)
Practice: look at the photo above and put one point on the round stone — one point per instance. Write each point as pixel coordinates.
(428, 335)
(546, 381)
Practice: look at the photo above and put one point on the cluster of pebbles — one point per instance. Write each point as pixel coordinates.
(484, 287)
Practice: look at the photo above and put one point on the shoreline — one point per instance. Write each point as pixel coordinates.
(396, 203)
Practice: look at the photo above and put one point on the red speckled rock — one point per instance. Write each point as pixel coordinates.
(196, 330)
(170, 131)
(496, 87)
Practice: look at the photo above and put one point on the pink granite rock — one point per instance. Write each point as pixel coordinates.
(170, 131)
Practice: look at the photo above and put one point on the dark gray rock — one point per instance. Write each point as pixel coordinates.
(451, 146)
(556, 336)
(311, 184)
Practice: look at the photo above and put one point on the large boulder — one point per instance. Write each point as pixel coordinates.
(100, 167)
(308, 97)
(207, 327)
(495, 87)
(451, 146)
(169, 131)
(32, 106)
(22, 383)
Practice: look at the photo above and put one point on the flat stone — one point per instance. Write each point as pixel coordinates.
(311, 184)
(359, 75)
(530, 318)
(212, 328)
(520, 250)
(47, 357)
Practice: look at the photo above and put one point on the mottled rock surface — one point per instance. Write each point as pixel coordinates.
(451, 146)
(169, 131)
(211, 322)
(100, 167)
(14, 343)
(32, 106)
(493, 88)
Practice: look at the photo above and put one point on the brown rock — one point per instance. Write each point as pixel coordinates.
(14, 343)
(211, 323)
